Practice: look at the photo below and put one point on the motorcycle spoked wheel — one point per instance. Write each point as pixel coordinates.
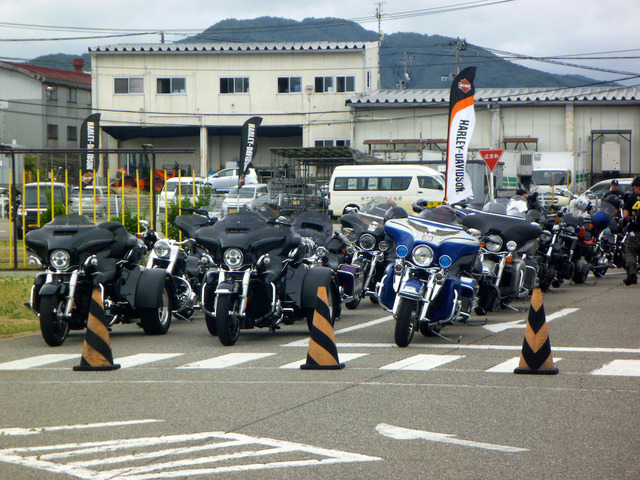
(156, 321)
(182, 291)
(227, 324)
(580, 272)
(54, 330)
(406, 319)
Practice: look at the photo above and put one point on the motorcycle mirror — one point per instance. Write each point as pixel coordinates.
(144, 224)
(474, 231)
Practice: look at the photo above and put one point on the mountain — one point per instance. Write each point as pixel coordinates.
(426, 58)
(61, 61)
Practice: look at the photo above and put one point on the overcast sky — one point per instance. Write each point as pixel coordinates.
(528, 27)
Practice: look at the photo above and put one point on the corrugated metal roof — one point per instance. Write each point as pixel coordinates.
(52, 74)
(441, 95)
(228, 47)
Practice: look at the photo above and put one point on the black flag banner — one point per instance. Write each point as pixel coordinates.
(90, 139)
(462, 120)
(248, 147)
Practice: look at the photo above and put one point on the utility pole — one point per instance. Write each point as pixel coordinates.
(460, 44)
(406, 78)
(380, 37)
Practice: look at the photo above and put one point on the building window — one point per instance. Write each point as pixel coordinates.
(52, 92)
(345, 84)
(128, 85)
(172, 85)
(331, 143)
(72, 133)
(324, 85)
(72, 95)
(343, 143)
(52, 131)
(335, 84)
(368, 79)
(289, 84)
(234, 85)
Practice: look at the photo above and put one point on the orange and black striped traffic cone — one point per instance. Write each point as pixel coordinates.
(536, 349)
(96, 351)
(323, 353)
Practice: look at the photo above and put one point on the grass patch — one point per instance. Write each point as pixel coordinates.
(15, 318)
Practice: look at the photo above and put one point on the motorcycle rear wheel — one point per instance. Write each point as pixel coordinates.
(227, 325)
(581, 271)
(156, 321)
(353, 304)
(54, 330)
(406, 320)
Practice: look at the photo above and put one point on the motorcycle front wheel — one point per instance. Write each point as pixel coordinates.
(156, 321)
(54, 329)
(227, 324)
(581, 271)
(406, 319)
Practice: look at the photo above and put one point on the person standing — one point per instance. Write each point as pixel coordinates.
(632, 245)
(613, 190)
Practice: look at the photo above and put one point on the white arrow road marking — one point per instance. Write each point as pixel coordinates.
(400, 433)
(228, 360)
(37, 361)
(500, 327)
(621, 368)
(37, 430)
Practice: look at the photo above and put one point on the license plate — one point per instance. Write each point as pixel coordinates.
(233, 210)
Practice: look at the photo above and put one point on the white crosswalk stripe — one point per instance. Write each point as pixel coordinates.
(37, 361)
(510, 365)
(143, 358)
(228, 360)
(422, 362)
(620, 368)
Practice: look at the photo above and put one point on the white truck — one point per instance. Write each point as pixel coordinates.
(558, 176)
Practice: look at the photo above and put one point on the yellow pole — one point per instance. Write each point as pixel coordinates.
(80, 192)
(10, 219)
(122, 193)
(179, 199)
(24, 220)
(166, 209)
(138, 197)
(53, 198)
(108, 197)
(66, 189)
(93, 180)
(38, 193)
(193, 192)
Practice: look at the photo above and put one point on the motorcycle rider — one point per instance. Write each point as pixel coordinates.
(632, 246)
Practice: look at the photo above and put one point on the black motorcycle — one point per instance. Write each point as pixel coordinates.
(78, 257)
(260, 278)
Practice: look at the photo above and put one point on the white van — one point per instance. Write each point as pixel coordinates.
(354, 185)
(186, 190)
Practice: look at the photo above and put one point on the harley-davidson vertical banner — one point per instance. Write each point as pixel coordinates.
(90, 139)
(462, 120)
(248, 147)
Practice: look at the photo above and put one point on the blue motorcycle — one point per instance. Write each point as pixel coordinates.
(430, 285)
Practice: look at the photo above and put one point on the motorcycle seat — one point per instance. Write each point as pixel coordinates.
(510, 228)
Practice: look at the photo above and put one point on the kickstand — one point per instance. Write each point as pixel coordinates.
(438, 334)
(504, 305)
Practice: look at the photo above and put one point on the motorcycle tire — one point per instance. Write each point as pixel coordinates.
(207, 301)
(334, 310)
(54, 330)
(428, 331)
(227, 325)
(156, 321)
(581, 271)
(353, 304)
(406, 320)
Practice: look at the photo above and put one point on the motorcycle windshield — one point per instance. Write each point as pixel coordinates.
(248, 232)
(442, 214)
(517, 206)
(315, 225)
(190, 224)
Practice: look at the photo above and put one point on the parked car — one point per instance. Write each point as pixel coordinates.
(186, 190)
(103, 197)
(250, 197)
(29, 203)
(597, 190)
(226, 179)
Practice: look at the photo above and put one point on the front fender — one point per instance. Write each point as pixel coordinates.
(150, 286)
(53, 289)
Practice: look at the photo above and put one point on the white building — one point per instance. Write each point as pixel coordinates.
(199, 95)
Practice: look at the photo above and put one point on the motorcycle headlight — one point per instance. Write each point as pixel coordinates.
(511, 245)
(383, 246)
(367, 241)
(545, 236)
(570, 229)
(162, 249)
(233, 258)
(422, 255)
(60, 259)
(493, 243)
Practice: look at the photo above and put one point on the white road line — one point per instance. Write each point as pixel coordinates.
(38, 361)
(228, 360)
(142, 358)
(37, 430)
(344, 357)
(422, 362)
(510, 365)
(621, 368)
(500, 327)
